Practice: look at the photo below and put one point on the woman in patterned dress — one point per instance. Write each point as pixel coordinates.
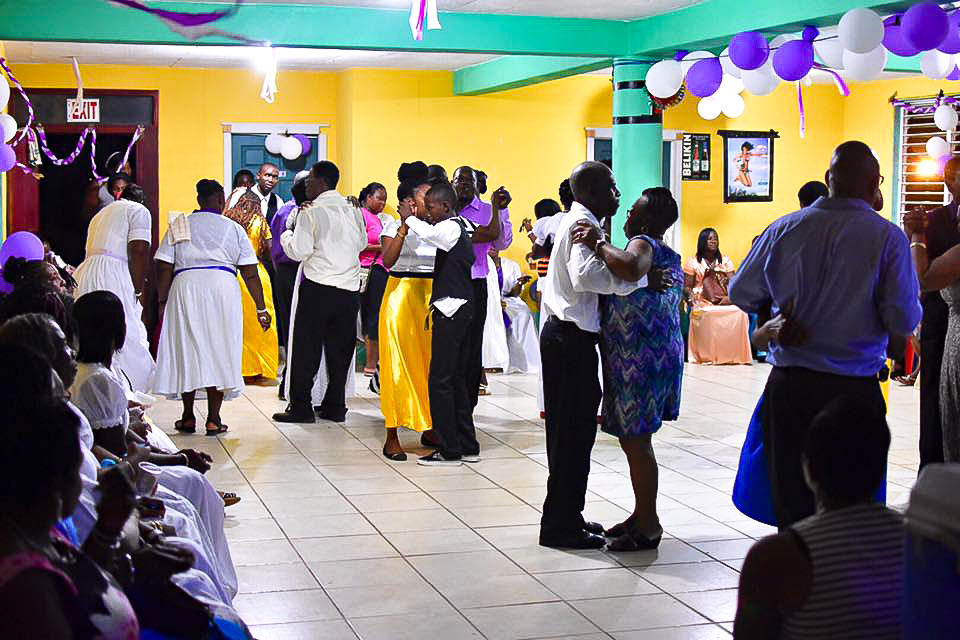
(642, 350)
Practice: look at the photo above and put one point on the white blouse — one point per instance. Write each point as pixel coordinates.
(116, 225)
(416, 256)
(214, 241)
(101, 396)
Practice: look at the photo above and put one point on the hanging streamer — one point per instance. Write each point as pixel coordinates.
(423, 14)
(23, 94)
(803, 112)
(76, 72)
(192, 25)
(269, 88)
(837, 79)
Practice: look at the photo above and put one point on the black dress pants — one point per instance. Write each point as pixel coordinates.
(931, 431)
(284, 282)
(450, 407)
(326, 321)
(571, 397)
(473, 345)
(793, 398)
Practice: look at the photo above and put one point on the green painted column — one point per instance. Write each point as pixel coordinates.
(637, 139)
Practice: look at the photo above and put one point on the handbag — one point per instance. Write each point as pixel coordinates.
(715, 286)
(364, 278)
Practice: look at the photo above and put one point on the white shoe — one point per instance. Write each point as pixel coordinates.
(472, 459)
(436, 459)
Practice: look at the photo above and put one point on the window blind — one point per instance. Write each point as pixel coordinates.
(920, 180)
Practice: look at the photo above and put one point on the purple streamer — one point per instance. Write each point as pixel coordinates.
(912, 108)
(23, 94)
(421, 19)
(841, 84)
(803, 112)
(182, 18)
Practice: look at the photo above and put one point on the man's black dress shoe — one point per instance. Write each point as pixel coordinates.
(327, 414)
(292, 414)
(593, 527)
(582, 540)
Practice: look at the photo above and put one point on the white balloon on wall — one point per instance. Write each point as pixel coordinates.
(863, 67)
(728, 67)
(830, 52)
(664, 79)
(274, 143)
(860, 30)
(729, 85)
(9, 127)
(760, 82)
(290, 148)
(945, 117)
(692, 57)
(709, 108)
(937, 147)
(936, 64)
(733, 105)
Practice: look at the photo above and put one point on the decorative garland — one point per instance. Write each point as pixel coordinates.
(910, 107)
(23, 94)
(662, 104)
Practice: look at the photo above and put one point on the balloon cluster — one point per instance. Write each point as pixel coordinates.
(857, 47)
(290, 147)
(8, 129)
(945, 117)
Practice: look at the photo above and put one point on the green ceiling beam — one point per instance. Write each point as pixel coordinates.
(316, 26)
(711, 24)
(512, 72)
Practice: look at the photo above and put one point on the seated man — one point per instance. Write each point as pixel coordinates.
(838, 573)
(523, 339)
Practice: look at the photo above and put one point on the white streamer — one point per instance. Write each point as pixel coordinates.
(76, 72)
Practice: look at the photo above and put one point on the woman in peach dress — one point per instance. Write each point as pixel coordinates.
(718, 330)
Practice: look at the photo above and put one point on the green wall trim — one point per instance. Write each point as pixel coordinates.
(317, 26)
(512, 72)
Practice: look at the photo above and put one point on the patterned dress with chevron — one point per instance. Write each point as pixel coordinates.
(642, 351)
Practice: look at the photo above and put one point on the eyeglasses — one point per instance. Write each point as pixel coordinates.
(881, 179)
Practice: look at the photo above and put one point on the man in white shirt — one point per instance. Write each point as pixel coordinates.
(571, 387)
(327, 238)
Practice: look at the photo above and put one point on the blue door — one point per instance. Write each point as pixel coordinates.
(249, 153)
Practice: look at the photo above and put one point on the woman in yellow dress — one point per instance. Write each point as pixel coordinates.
(261, 351)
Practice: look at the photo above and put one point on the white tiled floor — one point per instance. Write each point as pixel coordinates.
(331, 541)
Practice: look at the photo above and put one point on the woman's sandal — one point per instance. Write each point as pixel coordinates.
(633, 540)
(229, 498)
(220, 428)
(186, 426)
(396, 456)
(618, 530)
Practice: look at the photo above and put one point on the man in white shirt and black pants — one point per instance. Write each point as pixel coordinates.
(568, 348)
(326, 238)
(452, 306)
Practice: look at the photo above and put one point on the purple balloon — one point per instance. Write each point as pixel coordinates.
(21, 244)
(925, 26)
(951, 44)
(793, 60)
(942, 161)
(749, 50)
(704, 77)
(955, 74)
(8, 157)
(305, 142)
(894, 40)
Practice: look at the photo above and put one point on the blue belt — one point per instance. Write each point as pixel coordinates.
(217, 267)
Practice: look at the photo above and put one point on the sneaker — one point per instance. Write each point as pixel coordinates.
(472, 459)
(436, 459)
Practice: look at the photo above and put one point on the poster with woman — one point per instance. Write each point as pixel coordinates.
(748, 166)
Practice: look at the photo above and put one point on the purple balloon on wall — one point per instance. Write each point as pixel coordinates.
(8, 157)
(704, 77)
(894, 40)
(951, 44)
(305, 142)
(793, 60)
(925, 25)
(21, 244)
(749, 50)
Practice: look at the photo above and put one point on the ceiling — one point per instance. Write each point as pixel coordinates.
(606, 9)
(238, 57)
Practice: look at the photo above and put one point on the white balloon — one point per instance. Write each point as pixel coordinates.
(730, 85)
(945, 117)
(860, 30)
(291, 149)
(709, 108)
(936, 64)
(760, 82)
(4, 93)
(863, 67)
(274, 143)
(689, 60)
(733, 105)
(728, 67)
(830, 52)
(937, 147)
(9, 127)
(664, 78)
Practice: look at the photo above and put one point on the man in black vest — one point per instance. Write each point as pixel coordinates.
(267, 179)
(452, 308)
(942, 234)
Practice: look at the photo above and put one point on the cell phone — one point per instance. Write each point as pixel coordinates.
(151, 508)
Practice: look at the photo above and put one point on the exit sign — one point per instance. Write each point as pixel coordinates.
(87, 110)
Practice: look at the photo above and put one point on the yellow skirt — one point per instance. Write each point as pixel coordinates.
(405, 353)
(261, 351)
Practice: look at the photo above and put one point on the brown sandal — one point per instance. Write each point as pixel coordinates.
(186, 426)
(220, 428)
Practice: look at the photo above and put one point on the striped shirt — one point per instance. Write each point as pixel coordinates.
(857, 588)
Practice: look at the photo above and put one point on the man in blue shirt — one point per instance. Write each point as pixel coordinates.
(841, 277)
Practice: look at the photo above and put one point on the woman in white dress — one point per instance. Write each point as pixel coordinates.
(523, 339)
(495, 352)
(117, 257)
(201, 341)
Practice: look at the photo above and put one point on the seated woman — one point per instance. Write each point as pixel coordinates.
(839, 573)
(718, 330)
(37, 288)
(523, 339)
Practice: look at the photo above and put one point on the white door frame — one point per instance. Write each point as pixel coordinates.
(675, 138)
(266, 128)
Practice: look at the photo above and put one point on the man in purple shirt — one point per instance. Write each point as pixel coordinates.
(473, 209)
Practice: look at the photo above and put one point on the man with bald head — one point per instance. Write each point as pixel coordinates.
(842, 278)
(267, 178)
(571, 387)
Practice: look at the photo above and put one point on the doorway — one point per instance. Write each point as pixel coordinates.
(249, 153)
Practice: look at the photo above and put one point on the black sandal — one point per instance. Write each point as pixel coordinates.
(181, 425)
(396, 456)
(633, 540)
(221, 428)
(618, 530)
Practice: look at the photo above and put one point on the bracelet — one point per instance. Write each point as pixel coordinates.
(260, 312)
(921, 245)
(186, 460)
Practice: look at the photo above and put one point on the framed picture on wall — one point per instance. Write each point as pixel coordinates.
(748, 165)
